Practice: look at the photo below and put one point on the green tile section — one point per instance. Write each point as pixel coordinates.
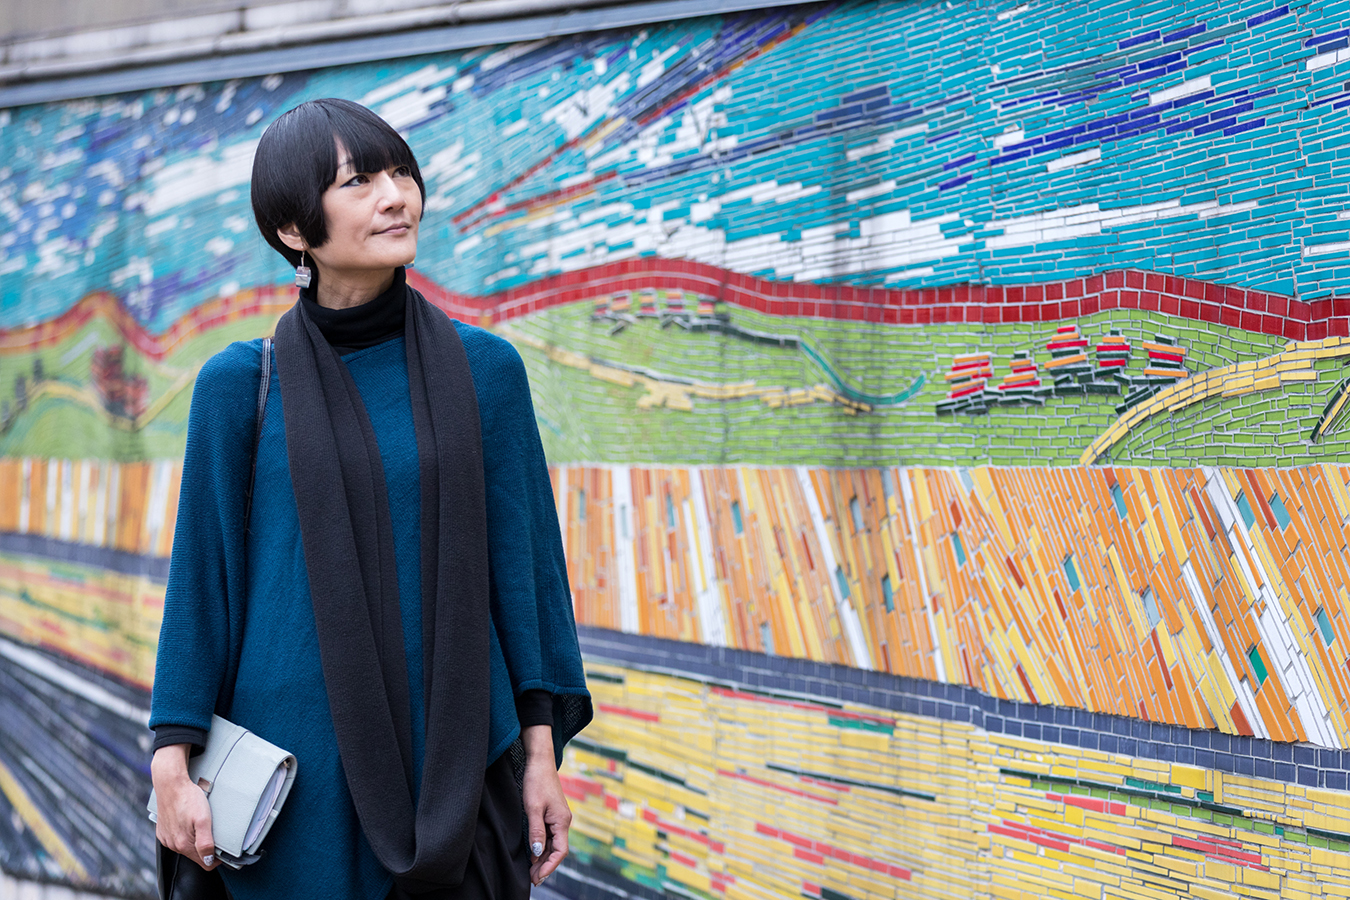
(1258, 665)
(587, 419)
(1281, 514)
(1324, 625)
(1071, 573)
(1245, 507)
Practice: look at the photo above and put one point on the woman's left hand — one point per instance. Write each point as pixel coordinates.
(545, 804)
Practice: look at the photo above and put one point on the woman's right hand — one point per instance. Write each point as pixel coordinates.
(184, 814)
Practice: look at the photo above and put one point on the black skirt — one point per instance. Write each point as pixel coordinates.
(499, 863)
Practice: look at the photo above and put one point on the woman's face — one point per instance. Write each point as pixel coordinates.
(372, 219)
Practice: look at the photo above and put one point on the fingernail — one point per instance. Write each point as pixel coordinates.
(209, 858)
(537, 848)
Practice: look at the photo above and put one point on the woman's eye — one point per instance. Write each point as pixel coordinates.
(402, 172)
(357, 179)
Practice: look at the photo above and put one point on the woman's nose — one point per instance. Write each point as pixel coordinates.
(388, 191)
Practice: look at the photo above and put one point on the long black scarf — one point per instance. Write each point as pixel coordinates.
(347, 535)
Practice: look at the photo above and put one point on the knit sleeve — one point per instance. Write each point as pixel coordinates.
(203, 598)
(530, 596)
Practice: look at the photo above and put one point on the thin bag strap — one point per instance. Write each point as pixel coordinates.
(264, 384)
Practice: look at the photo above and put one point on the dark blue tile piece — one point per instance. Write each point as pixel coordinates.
(1329, 759)
(1107, 743)
(1268, 16)
(1089, 740)
(1031, 731)
(1184, 33)
(1186, 755)
(1245, 765)
(1063, 715)
(1204, 759)
(1121, 726)
(1045, 714)
(1219, 742)
(1335, 781)
(871, 93)
(1326, 38)
(1070, 736)
(1285, 771)
(1013, 727)
(1264, 768)
(1050, 733)
(1199, 738)
(1128, 746)
(1307, 776)
(1224, 762)
(1281, 752)
(1137, 39)
(1305, 756)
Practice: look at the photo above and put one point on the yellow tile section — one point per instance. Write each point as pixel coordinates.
(1293, 365)
(1211, 598)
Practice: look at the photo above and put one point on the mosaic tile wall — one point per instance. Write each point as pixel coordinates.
(947, 413)
(728, 773)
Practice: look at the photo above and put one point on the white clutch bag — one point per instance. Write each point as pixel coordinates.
(246, 781)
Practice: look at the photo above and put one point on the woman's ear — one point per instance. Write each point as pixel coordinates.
(290, 236)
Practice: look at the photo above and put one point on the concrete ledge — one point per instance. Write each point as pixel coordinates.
(221, 46)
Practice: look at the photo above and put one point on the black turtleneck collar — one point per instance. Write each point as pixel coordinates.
(359, 327)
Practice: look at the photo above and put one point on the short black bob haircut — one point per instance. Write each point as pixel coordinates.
(297, 160)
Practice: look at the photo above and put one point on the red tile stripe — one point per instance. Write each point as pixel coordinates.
(1043, 837)
(1090, 803)
(580, 788)
(202, 318)
(630, 713)
(796, 792)
(673, 828)
(1201, 301)
(817, 851)
(1221, 852)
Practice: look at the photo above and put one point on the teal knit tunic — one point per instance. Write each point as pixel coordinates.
(238, 636)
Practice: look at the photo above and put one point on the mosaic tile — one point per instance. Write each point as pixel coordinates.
(947, 416)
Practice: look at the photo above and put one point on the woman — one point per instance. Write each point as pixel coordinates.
(395, 609)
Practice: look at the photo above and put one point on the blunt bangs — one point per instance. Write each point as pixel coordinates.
(297, 160)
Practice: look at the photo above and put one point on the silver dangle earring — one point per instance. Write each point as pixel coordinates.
(302, 273)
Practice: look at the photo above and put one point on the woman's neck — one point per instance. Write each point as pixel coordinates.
(343, 290)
